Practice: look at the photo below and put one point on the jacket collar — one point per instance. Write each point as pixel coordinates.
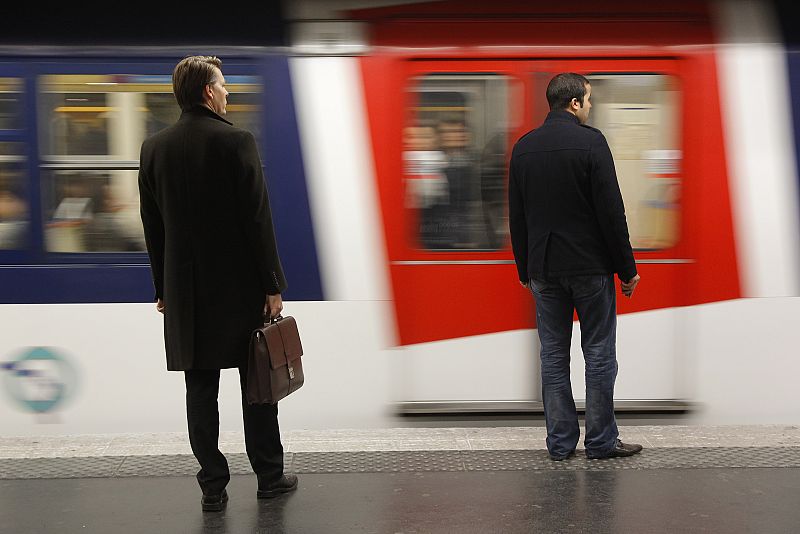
(562, 115)
(203, 111)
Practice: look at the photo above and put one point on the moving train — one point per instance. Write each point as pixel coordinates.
(385, 138)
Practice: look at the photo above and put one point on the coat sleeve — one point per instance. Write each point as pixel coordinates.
(256, 216)
(610, 209)
(518, 225)
(153, 225)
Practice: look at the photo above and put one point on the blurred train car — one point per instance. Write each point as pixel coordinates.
(385, 138)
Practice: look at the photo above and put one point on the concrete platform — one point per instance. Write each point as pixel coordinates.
(688, 479)
(622, 501)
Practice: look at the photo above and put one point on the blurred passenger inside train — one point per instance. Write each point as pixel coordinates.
(493, 189)
(103, 232)
(13, 216)
(426, 184)
(72, 198)
(427, 190)
(462, 178)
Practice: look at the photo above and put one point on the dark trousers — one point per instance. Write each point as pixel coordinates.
(594, 298)
(261, 435)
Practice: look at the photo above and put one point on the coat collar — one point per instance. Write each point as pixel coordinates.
(562, 115)
(202, 111)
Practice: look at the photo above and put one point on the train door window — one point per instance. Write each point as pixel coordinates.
(14, 218)
(92, 128)
(10, 103)
(455, 143)
(639, 115)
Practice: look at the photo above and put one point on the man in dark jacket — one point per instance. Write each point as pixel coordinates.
(215, 265)
(569, 235)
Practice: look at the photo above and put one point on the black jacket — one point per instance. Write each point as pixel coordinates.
(209, 233)
(565, 208)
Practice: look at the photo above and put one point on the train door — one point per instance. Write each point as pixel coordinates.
(461, 314)
(463, 320)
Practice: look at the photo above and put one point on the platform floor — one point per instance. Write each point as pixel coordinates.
(621, 501)
(414, 480)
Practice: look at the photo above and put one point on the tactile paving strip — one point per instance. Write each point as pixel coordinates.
(83, 467)
(377, 461)
(664, 458)
(405, 461)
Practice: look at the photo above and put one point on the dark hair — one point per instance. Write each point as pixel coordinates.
(563, 88)
(191, 76)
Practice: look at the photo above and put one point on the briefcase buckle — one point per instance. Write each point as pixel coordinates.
(291, 372)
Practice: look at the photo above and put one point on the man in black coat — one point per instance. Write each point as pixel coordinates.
(569, 235)
(215, 266)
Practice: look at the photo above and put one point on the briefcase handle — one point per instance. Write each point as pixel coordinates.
(270, 320)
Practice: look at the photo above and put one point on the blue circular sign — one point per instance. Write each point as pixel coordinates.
(40, 379)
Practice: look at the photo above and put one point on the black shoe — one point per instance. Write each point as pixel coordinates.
(215, 503)
(562, 458)
(620, 450)
(285, 484)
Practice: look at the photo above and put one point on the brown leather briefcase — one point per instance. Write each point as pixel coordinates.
(274, 368)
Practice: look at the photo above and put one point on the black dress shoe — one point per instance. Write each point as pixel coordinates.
(562, 458)
(215, 503)
(620, 450)
(285, 484)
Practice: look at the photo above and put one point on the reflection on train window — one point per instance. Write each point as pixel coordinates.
(454, 151)
(639, 115)
(10, 103)
(13, 204)
(92, 211)
(110, 115)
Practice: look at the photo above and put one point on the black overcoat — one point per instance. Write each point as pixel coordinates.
(209, 234)
(566, 212)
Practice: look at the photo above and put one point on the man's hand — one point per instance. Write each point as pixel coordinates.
(160, 306)
(273, 306)
(629, 286)
(526, 285)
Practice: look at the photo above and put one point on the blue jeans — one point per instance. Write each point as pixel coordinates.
(594, 297)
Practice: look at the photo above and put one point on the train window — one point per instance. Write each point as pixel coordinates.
(640, 116)
(455, 143)
(13, 204)
(110, 115)
(10, 103)
(92, 130)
